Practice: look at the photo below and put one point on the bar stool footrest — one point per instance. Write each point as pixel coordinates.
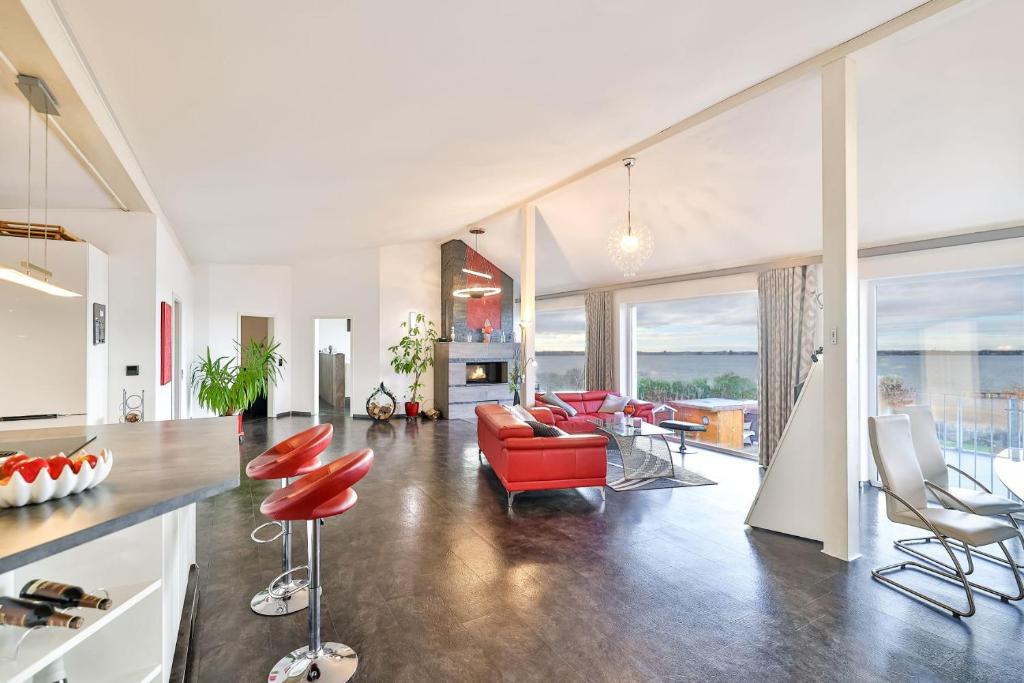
(254, 535)
(332, 663)
(291, 586)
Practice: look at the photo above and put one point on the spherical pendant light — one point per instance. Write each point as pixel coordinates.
(629, 246)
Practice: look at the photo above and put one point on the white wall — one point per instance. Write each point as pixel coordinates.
(410, 282)
(97, 366)
(174, 280)
(144, 267)
(224, 293)
(346, 285)
(377, 288)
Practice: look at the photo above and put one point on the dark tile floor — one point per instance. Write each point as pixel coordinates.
(429, 579)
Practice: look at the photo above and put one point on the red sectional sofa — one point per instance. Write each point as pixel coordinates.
(586, 404)
(524, 462)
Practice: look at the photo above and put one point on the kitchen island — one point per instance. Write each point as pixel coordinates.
(133, 536)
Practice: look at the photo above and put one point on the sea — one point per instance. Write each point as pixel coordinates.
(935, 372)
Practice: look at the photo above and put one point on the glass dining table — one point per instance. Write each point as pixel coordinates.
(644, 450)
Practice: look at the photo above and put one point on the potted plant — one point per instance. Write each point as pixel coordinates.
(517, 374)
(227, 385)
(414, 355)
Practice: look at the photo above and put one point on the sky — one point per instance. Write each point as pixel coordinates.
(956, 313)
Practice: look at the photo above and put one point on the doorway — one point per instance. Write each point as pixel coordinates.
(332, 376)
(258, 329)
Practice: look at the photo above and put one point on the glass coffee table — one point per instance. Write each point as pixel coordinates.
(644, 450)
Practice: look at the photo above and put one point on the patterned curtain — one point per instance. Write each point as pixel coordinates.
(600, 374)
(785, 344)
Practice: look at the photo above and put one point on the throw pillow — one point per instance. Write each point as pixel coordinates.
(613, 403)
(541, 429)
(552, 399)
(521, 413)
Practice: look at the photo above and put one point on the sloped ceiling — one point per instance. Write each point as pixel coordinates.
(941, 151)
(274, 130)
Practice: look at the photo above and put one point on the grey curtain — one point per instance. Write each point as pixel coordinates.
(600, 373)
(785, 343)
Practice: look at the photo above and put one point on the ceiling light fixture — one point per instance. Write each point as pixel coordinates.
(631, 245)
(484, 285)
(29, 274)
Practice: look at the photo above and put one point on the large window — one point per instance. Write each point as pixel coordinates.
(955, 343)
(561, 349)
(700, 357)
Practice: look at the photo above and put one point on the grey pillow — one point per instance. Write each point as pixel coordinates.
(552, 399)
(613, 403)
(541, 429)
(522, 413)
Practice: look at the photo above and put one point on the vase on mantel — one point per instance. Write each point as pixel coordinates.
(515, 397)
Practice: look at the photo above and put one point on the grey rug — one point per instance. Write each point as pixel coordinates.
(683, 477)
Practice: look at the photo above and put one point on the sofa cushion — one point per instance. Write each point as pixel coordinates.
(613, 404)
(552, 398)
(520, 413)
(541, 429)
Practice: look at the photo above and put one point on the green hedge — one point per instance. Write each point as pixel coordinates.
(729, 385)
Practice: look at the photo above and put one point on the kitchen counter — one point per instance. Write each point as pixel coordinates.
(158, 467)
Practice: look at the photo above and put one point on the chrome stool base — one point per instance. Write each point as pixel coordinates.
(333, 663)
(269, 606)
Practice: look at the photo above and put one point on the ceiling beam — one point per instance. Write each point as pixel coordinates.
(804, 68)
(24, 50)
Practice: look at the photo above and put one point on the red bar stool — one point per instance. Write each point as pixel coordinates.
(297, 455)
(326, 492)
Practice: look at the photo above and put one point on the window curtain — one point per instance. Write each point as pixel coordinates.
(785, 343)
(600, 372)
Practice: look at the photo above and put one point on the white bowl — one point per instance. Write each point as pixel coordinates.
(17, 492)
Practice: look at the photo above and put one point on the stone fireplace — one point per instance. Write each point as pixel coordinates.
(467, 374)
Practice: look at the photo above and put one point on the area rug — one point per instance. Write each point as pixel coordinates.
(616, 482)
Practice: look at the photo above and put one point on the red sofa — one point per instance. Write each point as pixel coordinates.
(586, 404)
(524, 462)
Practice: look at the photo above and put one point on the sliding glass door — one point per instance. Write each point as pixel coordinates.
(561, 349)
(699, 356)
(955, 343)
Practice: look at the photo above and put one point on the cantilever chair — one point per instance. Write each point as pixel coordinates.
(907, 503)
(936, 475)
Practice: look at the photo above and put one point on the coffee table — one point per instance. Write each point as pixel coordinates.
(644, 450)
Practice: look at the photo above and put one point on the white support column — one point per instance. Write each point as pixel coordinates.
(527, 296)
(842, 345)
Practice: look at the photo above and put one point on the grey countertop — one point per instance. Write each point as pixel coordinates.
(158, 467)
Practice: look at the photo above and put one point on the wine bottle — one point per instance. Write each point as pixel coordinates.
(62, 595)
(29, 614)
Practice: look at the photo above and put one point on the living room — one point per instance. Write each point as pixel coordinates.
(590, 339)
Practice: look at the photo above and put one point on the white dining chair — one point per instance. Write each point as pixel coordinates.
(906, 502)
(936, 470)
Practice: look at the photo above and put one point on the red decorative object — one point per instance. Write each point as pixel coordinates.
(629, 409)
(479, 310)
(412, 408)
(165, 342)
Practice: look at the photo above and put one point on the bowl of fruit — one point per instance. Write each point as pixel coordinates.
(25, 479)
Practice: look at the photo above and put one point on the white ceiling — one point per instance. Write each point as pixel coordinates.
(941, 151)
(71, 185)
(271, 130)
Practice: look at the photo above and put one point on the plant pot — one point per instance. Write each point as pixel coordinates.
(240, 431)
(412, 408)
(487, 338)
(515, 397)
